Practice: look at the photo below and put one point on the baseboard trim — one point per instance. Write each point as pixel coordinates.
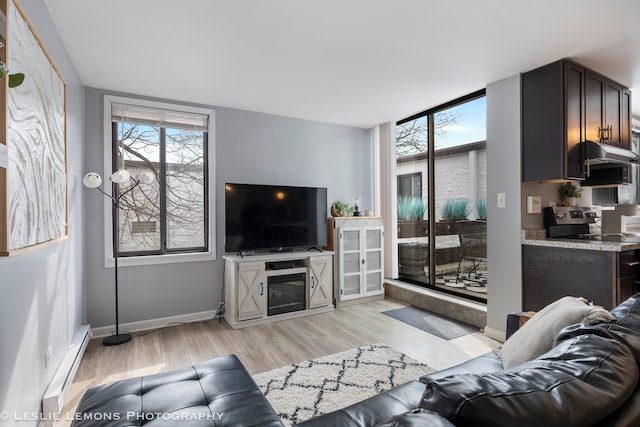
(143, 325)
(495, 334)
(54, 397)
(279, 317)
(359, 300)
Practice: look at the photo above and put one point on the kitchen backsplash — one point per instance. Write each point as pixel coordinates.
(548, 192)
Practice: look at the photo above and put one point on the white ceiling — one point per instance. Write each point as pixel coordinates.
(352, 62)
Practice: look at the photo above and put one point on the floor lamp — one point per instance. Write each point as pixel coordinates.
(93, 180)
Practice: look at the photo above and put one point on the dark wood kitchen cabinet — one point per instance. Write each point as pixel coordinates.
(553, 122)
(607, 111)
(563, 104)
(628, 274)
(604, 277)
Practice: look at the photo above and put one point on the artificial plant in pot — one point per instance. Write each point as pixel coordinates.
(411, 222)
(481, 209)
(451, 211)
(14, 79)
(569, 194)
(339, 209)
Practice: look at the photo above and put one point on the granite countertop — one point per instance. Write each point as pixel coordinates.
(538, 238)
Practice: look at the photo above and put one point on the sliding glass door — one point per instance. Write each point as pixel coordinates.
(412, 167)
(441, 203)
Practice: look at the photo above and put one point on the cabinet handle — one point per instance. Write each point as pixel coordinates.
(633, 263)
(312, 282)
(605, 134)
(363, 260)
(261, 288)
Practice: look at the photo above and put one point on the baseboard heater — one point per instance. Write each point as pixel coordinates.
(54, 398)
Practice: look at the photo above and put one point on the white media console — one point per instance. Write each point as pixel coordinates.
(264, 288)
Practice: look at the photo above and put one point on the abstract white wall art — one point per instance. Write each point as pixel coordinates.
(36, 175)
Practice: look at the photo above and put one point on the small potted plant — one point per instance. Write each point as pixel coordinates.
(569, 193)
(452, 211)
(339, 209)
(411, 222)
(15, 79)
(481, 209)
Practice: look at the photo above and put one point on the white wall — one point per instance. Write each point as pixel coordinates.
(503, 224)
(250, 148)
(460, 175)
(42, 296)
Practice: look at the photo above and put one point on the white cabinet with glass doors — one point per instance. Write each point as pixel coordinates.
(360, 262)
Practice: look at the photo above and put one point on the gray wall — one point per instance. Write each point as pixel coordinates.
(250, 147)
(42, 297)
(503, 224)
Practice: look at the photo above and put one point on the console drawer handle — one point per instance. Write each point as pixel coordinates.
(633, 263)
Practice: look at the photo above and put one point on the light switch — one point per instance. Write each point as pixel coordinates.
(502, 200)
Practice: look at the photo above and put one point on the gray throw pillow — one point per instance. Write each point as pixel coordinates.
(537, 336)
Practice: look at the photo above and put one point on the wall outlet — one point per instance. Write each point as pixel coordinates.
(47, 357)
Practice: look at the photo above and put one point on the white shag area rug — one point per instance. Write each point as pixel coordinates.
(315, 387)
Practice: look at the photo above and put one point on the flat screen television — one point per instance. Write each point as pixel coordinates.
(274, 217)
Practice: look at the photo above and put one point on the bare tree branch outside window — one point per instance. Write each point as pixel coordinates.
(156, 219)
(412, 137)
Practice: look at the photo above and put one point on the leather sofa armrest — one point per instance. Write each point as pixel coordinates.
(375, 410)
(485, 364)
(628, 415)
(417, 418)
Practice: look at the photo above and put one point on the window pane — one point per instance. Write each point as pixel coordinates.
(171, 213)
(412, 146)
(410, 185)
(460, 168)
(458, 159)
(139, 214)
(461, 124)
(185, 189)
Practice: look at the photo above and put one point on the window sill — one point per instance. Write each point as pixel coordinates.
(160, 259)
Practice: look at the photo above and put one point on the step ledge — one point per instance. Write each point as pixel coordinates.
(480, 307)
(450, 306)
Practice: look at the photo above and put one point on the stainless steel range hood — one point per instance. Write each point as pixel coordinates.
(597, 153)
(607, 165)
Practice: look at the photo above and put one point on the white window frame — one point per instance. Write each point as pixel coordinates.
(108, 232)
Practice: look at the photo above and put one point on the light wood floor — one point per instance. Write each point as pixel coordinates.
(265, 347)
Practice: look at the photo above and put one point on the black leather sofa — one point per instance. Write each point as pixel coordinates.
(589, 378)
(219, 392)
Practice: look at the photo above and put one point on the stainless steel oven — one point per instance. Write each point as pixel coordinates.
(568, 221)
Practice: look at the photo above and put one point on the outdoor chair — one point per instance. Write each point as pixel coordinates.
(473, 245)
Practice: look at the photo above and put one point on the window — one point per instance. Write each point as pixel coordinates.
(410, 185)
(441, 189)
(138, 227)
(172, 215)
